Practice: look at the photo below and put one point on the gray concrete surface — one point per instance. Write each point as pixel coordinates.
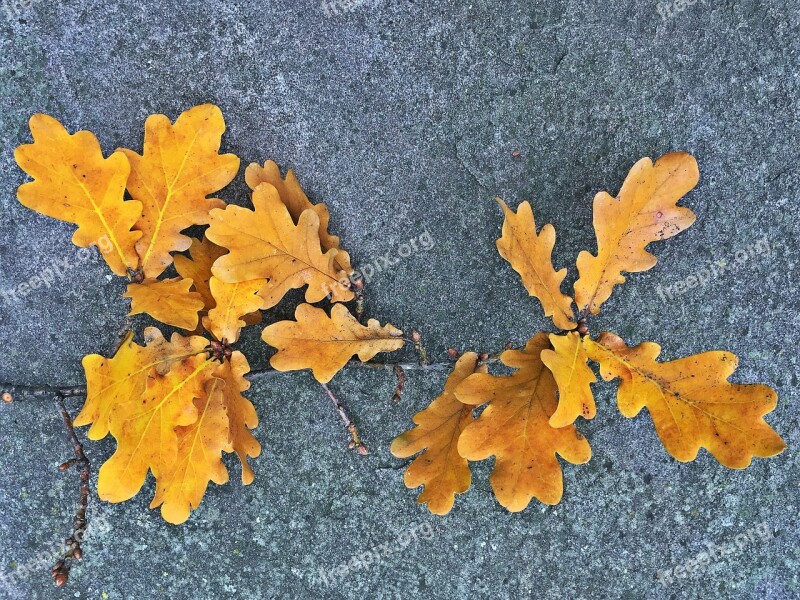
(403, 116)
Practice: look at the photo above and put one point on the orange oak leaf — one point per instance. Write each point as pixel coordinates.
(145, 427)
(531, 256)
(440, 469)
(265, 243)
(197, 267)
(74, 183)
(690, 400)
(224, 420)
(296, 201)
(325, 344)
(179, 168)
(644, 211)
(199, 457)
(515, 429)
(232, 302)
(567, 361)
(241, 412)
(167, 300)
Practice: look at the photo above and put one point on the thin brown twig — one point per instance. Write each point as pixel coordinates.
(38, 391)
(355, 441)
(60, 571)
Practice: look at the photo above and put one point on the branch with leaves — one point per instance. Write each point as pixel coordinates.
(529, 417)
(174, 406)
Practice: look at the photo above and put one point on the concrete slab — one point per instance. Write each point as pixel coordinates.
(404, 117)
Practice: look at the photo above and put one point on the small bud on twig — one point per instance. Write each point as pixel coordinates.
(401, 380)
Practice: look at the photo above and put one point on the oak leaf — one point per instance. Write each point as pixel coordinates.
(224, 420)
(144, 427)
(265, 243)
(179, 167)
(296, 201)
(74, 183)
(199, 457)
(567, 361)
(644, 211)
(515, 429)
(530, 254)
(232, 302)
(325, 344)
(690, 400)
(122, 378)
(167, 300)
(197, 267)
(241, 412)
(440, 469)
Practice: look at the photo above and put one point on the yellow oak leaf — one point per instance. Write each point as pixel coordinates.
(197, 267)
(531, 256)
(241, 412)
(167, 300)
(199, 457)
(224, 420)
(325, 344)
(296, 201)
(232, 302)
(74, 183)
(690, 400)
(440, 469)
(567, 361)
(112, 381)
(265, 243)
(644, 211)
(515, 429)
(145, 427)
(179, 168)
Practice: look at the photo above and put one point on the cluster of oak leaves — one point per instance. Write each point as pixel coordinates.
(175, 406)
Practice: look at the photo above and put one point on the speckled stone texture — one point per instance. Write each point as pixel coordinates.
(403, 116)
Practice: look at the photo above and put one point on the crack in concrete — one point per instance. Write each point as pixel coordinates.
(70, 391)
